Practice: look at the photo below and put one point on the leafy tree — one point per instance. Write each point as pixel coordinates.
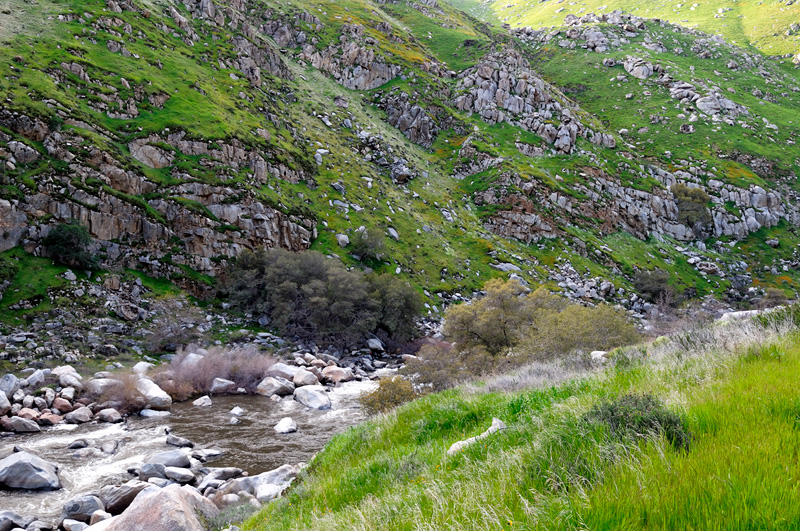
(68, 244)
(493, 322)
(534, 325)
(693, 208)
(654, 285)
(314, 297)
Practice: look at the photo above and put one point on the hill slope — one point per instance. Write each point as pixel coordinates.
(770, 26)
(182, 133)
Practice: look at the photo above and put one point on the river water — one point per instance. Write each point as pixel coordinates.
(251, 445)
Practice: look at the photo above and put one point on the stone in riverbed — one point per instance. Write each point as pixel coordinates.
(171, 458)
(221, 385)
(62, 405)
(338, 374)
(152, 470)
(286, 425)
(284, 371)
(156, 397)
(275, 385)
(303, 377)
(10, 520)
(74, 525)
(179, 475)
(81, 508)
(180, 442)
(312, 396)
(22, 470)
(99, 516)
(117, 498)
(171, 508)
(18, 425)
(5, 405)
(203, 401)
(81, 415)
(109, 415)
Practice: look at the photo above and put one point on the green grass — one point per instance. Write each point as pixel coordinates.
(760, 25)
(553, 469)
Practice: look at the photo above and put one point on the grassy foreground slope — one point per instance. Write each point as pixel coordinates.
(767, 26)
(554, 469)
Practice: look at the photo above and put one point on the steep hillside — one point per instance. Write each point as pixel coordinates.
(771, 26)
(182, 133)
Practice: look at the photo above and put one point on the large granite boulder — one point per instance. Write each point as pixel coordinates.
(22, 470)
(172, 508)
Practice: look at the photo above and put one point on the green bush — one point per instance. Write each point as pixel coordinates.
(8, 268)
(637, 416)
(367, 245)
(693, 208)
(535, 325)
(391, 392)
(313, 297)
(68, 244)
(654, 286)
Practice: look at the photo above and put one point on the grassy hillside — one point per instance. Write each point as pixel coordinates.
(556, 468)
(766, 26)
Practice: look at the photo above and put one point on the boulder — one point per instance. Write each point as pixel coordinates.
(108, 415)
(275, 385)
(203, 401)
(179, 475)
(264, 486)
(36, 379)
(99, 516)
(282, 370)
(73, 525)
(336, 374)
(117, 498)
(152, 470)
(9, 384)
(79, 416)
(313, 396)
(170, 458)
(22, 470)
(10, 520)
(638, 67)
(156, 397)
(71, 379)
(62, 405)
(173, 508)
(221, 385)
(19, 425)
(303, 377)
(5, 405)
(286, 425)
(180, 442)
(375, 345)
(81, 508)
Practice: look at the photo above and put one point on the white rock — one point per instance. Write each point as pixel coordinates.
(286, 425)
(203, 401)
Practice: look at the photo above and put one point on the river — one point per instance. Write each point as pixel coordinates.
(251, 445)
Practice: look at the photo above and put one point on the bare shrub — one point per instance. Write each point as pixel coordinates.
(123, 395)
(182, 378)
(441, 366)
(391, 392)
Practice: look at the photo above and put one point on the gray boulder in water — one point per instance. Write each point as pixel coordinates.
(22, 470)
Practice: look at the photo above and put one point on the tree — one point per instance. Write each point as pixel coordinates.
(693, 208)
(367, 245)
(314, 297)
(492, 322)
(68, 244)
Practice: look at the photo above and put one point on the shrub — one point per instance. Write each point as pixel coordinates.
(441, 366)
(245, 366)
(493, 322)
(637, 416)
(555, 334)
(654, 286)
(772, 298)
(68, 244)
(123, 396)
(310, 296)
(175, 328)
(8, 268)
(693, 208)
(391, 392)
(367, 245)
(538, 324)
